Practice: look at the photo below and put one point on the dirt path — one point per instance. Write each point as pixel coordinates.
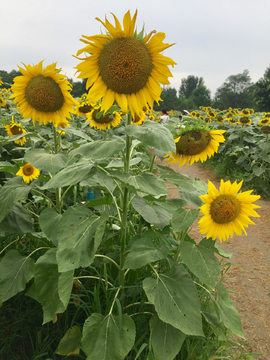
(249, 277)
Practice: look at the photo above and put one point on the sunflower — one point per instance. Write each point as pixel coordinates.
(43, 94)
(207, 120)
(138, 119)
(62, 125)
(265, 129)
(220, 119)
(232, 120)
(246, 112)
(195, 145)
(125, 66)
(84, 108)
(226, 211)
(28, 172)
(211, 114)
(244, 120)
(267, 115)
(14, 129)
(2, 101)
(264, 121)
(101, 121)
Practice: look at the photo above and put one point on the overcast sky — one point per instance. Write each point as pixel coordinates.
(214, 38)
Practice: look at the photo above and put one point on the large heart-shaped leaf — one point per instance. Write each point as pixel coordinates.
(182, 219)
(153, 134)
(108, 337)
(15, 271)
(45, 161)
(18, 221)
(49, 221)
(176, 301)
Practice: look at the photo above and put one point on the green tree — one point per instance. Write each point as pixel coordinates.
(189, 84)
(236, 91)
(201, 96)
(262, 92)
(170, 100)
(7, 78)
(78, 87)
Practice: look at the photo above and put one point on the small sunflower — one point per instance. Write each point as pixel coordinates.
(138, 119)
(264, 121)
(244, 120)
(43, 94)
(2, 101)
(84, 108)
(28, 172)
(207, 120)
(246, 112)
(211, 114)
(265, 129)
(100, 121)
(125, 66)
(195, 145)
(232, 121)
(220, 119)
(15, 129)
(267, 115)
(62, 125)
(226, 211)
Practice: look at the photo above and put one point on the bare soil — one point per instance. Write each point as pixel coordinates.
(249, 277)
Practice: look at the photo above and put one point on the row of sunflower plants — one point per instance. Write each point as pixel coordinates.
(246, 152)
(87, 229)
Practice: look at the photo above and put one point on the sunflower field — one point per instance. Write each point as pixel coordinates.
(96, 260)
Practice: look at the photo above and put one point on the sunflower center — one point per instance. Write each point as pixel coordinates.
(125, 65)
(193, 142)
(265, 129)
(102, 119)
(28, 170)
(16, 130)
(244, 120)
(85, 109)
(44, 94)
(224, 209)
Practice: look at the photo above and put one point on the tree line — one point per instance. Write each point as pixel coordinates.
(237, 91)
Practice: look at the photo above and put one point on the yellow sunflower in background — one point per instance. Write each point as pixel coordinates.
(28, 172)
(264, 121)
(62, 125)
(246, 112)
(99, 121)
(220, 119)
(196, 145)
(125, 66)
(43, 94)
(232, 121)
(226, 211)
(84, 108)
(14, 129)
(138, 119)
(267, 115)
(2, 101)
(244, 120)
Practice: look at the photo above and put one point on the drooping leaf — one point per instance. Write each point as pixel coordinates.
(72, 174)
(70, 342)
(174, 177)
(201, 261)
(175, 298)
(15, 271)
(222, 252)
(18, 221)
(153, 134)
(228, 313)
(144, 251)
(191, 195)
(42, 160)
(45, 288)
(49, 221)
(144, 183)
(154, 215)
(105, 337)
(182, 219)
(166, 341)
(13, 190)
(77, 238)
(101, 179)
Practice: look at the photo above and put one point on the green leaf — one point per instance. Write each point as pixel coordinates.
(13, 190)
(201, 261)
(70, 342)
(44, 161)
(153, 134)
(72, 174)
(154, 215)
(144, 183)
(49, 221)
(172, 204)
(65, 284)
(191, 195)
(144, 251)
(175, 298)
(77, 238)
(173, 177)
(5, 166)
(98, 149)
(76, 132)
(15, 272)
(101, 179)
(104, 337)
(228, 313)
(182, 219)
(46, 286)
(258, 170)
(18, 221)
(166, 341)
(222, 252)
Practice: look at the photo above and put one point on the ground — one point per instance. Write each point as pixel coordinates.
(249, 276)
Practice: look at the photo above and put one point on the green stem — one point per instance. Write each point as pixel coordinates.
(152, 163)
(57, 190)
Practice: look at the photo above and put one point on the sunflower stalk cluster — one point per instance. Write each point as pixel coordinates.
(121, 265)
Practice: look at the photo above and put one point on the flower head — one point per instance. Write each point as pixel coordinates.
(14, 129)
(43, 94)
(244, 120)
(28, 172)
(226, 211)
(101, 121)
(194, 145)
(124, 66)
